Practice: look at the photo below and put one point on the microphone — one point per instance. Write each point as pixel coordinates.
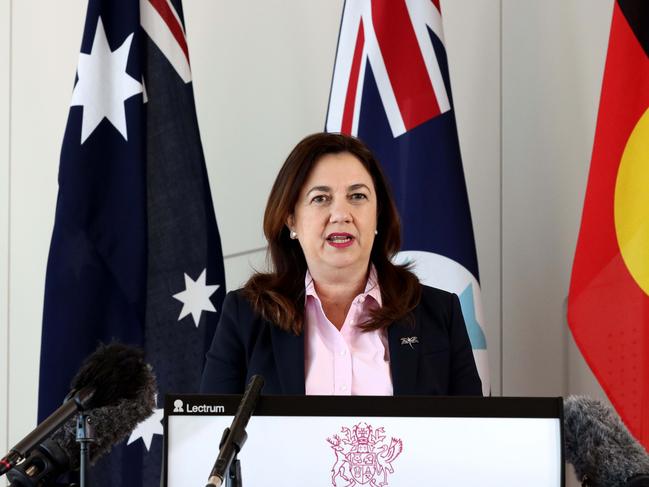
(116, 389)
(599, 446)
(76, 401)
(235, 436)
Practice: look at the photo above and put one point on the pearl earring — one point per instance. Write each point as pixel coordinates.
(293, 235)
(376, 232)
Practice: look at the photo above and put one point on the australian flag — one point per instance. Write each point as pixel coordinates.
(135, 254)
(391, 89)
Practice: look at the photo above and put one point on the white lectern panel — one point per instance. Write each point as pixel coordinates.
(377, 451)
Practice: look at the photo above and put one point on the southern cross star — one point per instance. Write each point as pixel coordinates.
(147, 428)
(196, 297)
(104, 85)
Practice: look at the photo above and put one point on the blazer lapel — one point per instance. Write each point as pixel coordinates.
(403, 340)
(289, 358)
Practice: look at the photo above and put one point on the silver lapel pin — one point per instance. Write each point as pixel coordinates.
(409, 341)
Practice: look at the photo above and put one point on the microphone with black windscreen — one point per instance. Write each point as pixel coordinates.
(115, 388)
(600, 448)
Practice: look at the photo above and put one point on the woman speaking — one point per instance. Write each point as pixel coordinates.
(335, 316)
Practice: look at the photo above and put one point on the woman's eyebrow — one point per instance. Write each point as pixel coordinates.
(327, 189)
(324, 189)
(356, 186)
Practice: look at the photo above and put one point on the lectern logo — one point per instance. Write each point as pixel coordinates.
(363, 456)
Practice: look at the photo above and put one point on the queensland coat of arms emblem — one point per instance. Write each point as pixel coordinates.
(363, 456)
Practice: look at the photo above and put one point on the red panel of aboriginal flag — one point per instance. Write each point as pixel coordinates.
(608, 307)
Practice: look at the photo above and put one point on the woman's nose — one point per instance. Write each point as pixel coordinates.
(340, 212)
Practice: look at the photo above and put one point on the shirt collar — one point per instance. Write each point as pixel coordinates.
(372, 288)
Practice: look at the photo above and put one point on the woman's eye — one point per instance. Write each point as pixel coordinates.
(358, 196)
(321, 198)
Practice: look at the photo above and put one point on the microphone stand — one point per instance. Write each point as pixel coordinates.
(234, 475)
(234, 471)
(85, 436)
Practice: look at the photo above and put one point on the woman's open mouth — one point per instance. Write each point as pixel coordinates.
(340, 240)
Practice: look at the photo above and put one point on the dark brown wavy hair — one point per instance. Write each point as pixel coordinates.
(278, 296)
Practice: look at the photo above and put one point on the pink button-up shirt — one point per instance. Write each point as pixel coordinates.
(346, 361)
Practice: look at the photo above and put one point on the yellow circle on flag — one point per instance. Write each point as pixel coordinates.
(632, 203)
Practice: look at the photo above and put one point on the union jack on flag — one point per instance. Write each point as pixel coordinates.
(391, 89)
(135, 255)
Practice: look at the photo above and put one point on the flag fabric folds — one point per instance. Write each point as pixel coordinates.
(135, 254)
(608, 303)
(391, 88)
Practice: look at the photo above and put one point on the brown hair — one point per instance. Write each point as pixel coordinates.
(278, 296)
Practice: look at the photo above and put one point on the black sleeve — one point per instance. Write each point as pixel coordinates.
(464, 378)
(225, 368)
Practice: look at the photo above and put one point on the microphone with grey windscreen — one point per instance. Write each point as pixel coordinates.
(600, 448)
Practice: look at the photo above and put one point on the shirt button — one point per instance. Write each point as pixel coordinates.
(343, 388)
(342, 353)
(361, 299)
(351, 322)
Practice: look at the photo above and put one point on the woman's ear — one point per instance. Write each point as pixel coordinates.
(290, 223)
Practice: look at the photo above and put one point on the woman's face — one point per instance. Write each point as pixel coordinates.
(335, 215)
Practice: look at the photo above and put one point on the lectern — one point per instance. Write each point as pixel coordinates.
(371, 441)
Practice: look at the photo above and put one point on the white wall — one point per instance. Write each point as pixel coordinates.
(552, 64)
(255, 102)
(44, 39)
(526, 77)
(472, 33)
(5, 37)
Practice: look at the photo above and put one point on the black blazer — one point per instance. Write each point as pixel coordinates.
(441, 363)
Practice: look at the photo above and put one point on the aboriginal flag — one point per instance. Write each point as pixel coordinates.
(135, 255)
(391, 88)
(608, 304)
